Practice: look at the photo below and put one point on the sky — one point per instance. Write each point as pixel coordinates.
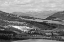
(31, 5)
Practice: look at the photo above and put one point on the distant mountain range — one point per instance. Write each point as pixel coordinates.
(41, 15)
(21, 14)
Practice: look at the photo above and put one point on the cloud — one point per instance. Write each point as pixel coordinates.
(31, 5)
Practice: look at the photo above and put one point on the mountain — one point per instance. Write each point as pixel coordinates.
(40, 15)
(24, 26)
(12, 19)
(21, 14)
(44, 14)
(56, 16)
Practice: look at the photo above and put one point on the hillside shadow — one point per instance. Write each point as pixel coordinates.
(5, 41)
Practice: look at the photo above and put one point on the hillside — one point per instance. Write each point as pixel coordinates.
(25, 26)
(14, 19)
(56, 16)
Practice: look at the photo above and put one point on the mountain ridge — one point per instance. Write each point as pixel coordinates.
(59, 15)
(41, 15)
